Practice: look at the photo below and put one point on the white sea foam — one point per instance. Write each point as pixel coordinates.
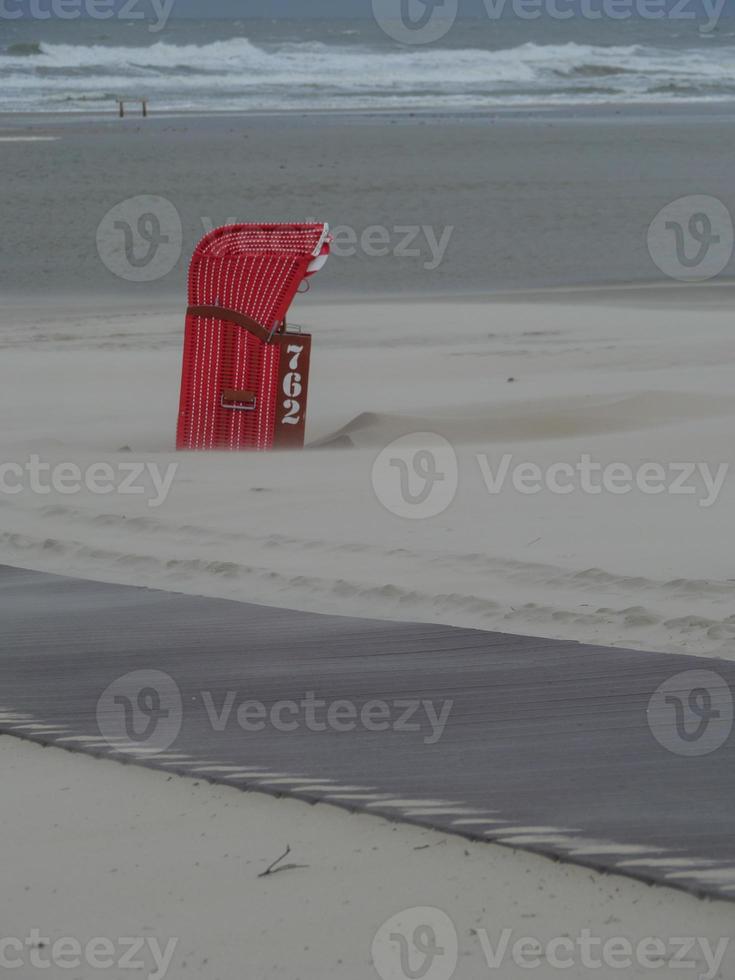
(237, 73)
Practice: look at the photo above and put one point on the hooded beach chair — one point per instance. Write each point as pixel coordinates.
(245, 374)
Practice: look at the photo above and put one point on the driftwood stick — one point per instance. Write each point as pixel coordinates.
(272, 869)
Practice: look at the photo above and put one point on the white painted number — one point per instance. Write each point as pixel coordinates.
(292, 386)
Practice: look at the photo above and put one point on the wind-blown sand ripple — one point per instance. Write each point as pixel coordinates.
(309, 530)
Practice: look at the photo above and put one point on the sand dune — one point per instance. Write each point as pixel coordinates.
(540, 419)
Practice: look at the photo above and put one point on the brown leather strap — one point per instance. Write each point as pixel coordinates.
(232, 316)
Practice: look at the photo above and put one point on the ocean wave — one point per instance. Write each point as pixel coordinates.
(218, 55)
(278, 76)
(304, 58)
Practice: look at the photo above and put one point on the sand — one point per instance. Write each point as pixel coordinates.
(626, 376)
(96, 849)
(631, 377)
(535, 198)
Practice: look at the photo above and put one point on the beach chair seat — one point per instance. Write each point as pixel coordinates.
(244, 379)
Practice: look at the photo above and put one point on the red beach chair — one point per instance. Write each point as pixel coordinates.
(245, 375)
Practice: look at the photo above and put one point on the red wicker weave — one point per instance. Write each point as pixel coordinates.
(245, 376)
